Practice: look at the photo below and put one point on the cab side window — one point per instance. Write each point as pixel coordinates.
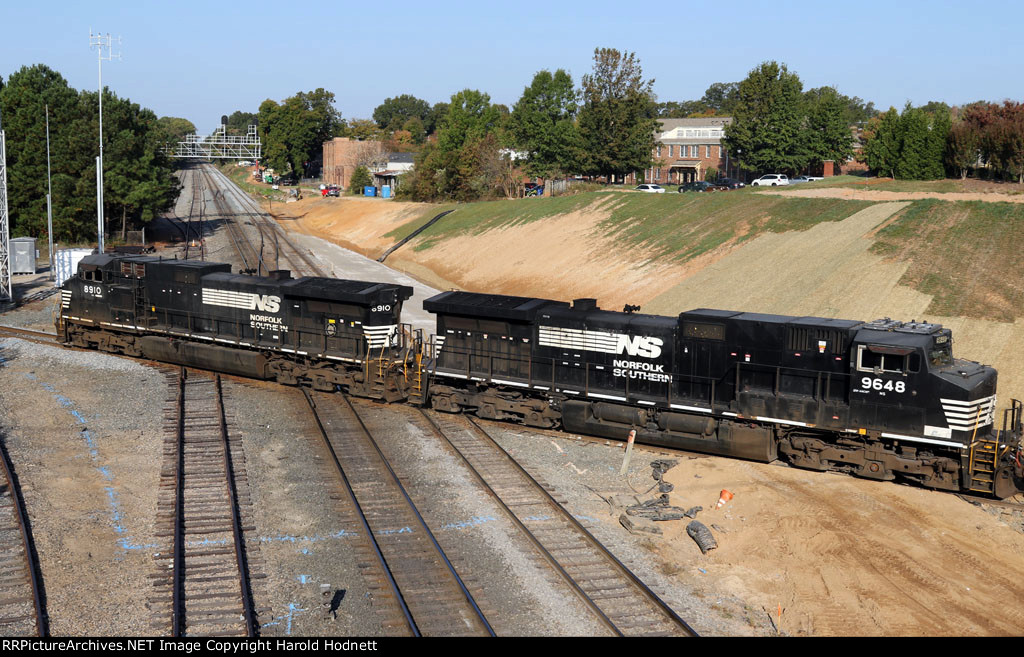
(877, 361)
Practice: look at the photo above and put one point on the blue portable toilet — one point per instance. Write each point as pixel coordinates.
(385, 191)
(369, 190)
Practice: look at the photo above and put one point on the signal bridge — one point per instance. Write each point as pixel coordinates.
(218, 145)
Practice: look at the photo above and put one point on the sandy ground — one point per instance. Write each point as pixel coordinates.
(843, 556)
(838, 556)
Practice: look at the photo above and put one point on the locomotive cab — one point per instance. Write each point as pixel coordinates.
(905, 382)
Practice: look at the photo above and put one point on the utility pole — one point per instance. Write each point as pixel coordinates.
(6, 290)
(100, 42)
(49, 193)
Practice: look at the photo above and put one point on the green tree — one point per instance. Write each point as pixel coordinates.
(326, 118)
(239, 122)
(393, 113)
(543, 124)
(433, 120)
(171, 129)
(363, 129)
(139, 182)
(828, 131)
(470, 117)
(618, 118)
(913, 143)
(138, 179)
(22, 110)
(721, 98)
(417, 132)
(768, 121)
(939, 124)
(360, 178)
(461, 164)
(883, 143)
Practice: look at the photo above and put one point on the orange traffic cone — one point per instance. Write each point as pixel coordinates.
(723, 498)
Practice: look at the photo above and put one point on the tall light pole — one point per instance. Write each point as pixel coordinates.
(49, 193)
(100, 42)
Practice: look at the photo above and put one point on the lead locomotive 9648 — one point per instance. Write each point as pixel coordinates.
(883, 400)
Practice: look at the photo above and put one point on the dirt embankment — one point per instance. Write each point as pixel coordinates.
(837, 555)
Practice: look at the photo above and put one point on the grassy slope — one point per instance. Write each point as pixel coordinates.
(965, 254)
(674, 226)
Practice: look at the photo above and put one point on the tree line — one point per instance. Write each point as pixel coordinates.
(139, 182)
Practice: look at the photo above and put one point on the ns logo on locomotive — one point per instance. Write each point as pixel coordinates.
(884, 400)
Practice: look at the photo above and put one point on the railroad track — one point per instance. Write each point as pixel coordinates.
(195, 216)
(22, 611)
(202, 584)
(42, 337)
(250, 251)
(618, 598)
(415, 586)
(279, 247)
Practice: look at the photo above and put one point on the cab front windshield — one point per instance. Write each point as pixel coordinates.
(941, 352)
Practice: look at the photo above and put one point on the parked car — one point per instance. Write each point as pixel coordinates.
(701, 186)
(771, 179)
(650, 189)
(798, 179)
(730, 183)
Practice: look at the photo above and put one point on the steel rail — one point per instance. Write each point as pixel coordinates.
(239, 239)
(236, 519)
(641, 586)
(552, 561)
(178, 576)
(306, 265)
(31, 566)
(362, 519)
(419, 518)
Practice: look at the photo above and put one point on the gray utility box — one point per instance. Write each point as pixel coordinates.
(23, 255)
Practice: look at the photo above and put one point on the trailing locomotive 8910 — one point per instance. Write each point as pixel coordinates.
(882, 400)
(321, 331)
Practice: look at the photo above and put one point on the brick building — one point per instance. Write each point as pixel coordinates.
(342, 155)
(686, 149)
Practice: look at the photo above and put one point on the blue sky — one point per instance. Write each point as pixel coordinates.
(199, 60)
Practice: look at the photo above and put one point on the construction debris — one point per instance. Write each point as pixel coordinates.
(656, 509)
(702, 536)
(658, 470)
(693, 511)
(638, 525)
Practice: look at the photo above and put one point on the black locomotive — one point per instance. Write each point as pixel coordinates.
(326, 332)
(882, 399)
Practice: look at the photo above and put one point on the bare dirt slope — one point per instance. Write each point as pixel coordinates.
(841, 556)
